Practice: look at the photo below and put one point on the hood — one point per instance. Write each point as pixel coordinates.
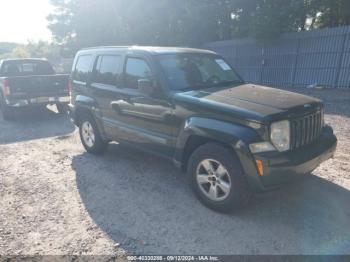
(257, 102)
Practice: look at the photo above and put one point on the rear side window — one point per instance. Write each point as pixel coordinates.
(108, 70)
(135, 70)
(82, 68)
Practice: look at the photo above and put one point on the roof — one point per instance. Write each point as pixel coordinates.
(23, 59)
(152, 49)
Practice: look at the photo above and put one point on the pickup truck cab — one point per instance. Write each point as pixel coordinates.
(191, 107)
(31, 82)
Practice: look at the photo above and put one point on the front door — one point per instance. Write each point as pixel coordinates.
(143, 120)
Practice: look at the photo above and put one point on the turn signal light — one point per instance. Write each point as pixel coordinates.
(260, 167)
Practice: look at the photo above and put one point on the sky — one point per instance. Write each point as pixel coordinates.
(23, 20)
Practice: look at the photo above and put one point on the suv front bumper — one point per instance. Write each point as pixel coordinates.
(280, 168)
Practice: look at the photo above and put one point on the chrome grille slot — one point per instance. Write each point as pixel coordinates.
(305, 130)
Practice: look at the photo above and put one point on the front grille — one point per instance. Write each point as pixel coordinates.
(306, 129)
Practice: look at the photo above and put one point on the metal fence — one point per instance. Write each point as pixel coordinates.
(317, 58)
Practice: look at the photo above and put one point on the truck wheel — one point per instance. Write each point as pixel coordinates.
(62, 108)
(7, 112)
(90, 135)
(217, 178)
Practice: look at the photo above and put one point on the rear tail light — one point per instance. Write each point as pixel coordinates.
(6, 87)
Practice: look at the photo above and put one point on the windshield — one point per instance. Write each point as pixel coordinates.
(195, 71)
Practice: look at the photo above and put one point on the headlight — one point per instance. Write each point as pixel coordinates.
(280, 135)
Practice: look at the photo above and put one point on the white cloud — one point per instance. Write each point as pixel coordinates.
(23, 20)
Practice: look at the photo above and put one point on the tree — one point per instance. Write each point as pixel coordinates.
(82, 23)
(38, 49)
(333, 13)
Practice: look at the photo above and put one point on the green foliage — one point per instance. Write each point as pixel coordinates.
(333, 13)
(6, 47)
(39, 49)
(20, 52)
(12, 50)
(82, 23)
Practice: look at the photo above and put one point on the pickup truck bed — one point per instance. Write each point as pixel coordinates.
(41, 85)
(21, 88)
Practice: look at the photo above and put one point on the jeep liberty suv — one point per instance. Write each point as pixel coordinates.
(191, 107)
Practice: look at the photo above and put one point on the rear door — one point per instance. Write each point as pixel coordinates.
(105, 83)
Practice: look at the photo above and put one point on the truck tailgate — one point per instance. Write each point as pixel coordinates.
(38, 86)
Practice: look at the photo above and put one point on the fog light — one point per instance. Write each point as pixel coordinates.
(261, 147)
(260, 167)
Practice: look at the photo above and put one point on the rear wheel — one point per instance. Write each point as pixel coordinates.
(217, 178)
(90, 135)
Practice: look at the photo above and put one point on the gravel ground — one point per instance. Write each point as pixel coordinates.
(56, 199)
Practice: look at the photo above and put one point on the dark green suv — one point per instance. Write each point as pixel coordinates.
(191, 107)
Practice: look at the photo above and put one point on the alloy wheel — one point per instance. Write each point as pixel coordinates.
(213, 179)
(88, 134)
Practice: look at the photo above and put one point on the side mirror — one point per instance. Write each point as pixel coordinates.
(146, 86)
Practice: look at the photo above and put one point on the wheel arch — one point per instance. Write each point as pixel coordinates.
(197, 131)
(83, 105)
(194, 141)
(81, 110)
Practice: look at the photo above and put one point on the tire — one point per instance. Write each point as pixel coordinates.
(6, 111)
(90, 135)
(217, 178)
(62, 109)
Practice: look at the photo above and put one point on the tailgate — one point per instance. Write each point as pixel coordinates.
(38, 86)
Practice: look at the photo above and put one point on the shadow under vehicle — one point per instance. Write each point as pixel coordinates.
(35, 123)
(140, 201)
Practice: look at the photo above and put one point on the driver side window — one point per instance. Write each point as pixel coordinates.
(135, 70)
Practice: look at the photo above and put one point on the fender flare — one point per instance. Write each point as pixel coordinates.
(85, 101)
(88, 104)
(236, 136)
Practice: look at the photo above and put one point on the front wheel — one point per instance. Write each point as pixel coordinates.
(90, 136)
(217, 178)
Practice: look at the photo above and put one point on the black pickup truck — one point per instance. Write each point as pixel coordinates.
(31, 82)
(190, 106)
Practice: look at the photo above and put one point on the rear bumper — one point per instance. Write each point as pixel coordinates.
(37, 101)
(281, 168)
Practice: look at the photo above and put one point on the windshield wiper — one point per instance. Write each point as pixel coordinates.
(209, 85)
(195, 87)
